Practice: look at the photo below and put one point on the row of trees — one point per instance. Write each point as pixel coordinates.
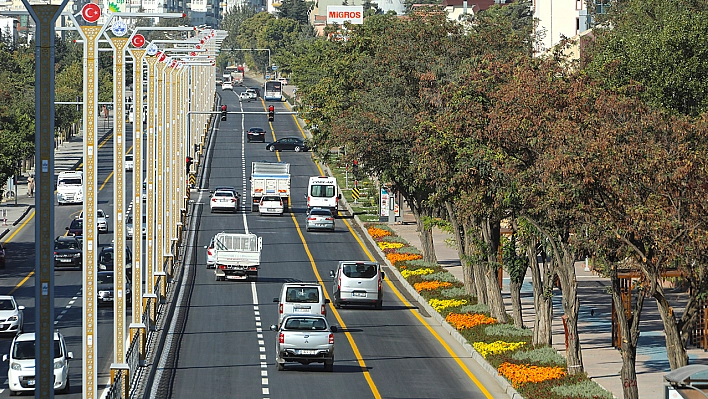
(605, 156)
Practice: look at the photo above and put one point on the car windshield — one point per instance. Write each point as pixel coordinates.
(7, 304)
(105, 278)
(128, 157)
(360, 271)
(106, 258)
(223, 194)
(24, 350)
(66, 244)
(303, 294)
(100, 214)
(322, 190)
(69, 182)
(302, 323)
(77, 224)
(271, 199)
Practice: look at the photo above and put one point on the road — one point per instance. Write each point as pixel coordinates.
(18, 280)
(223, 347)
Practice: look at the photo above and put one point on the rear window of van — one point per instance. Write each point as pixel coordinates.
(359, 271)
(302, 294)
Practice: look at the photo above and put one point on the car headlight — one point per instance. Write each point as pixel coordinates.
(77, 255)
(59, 364)
(16, 366)
(12, 318)
(103, 293)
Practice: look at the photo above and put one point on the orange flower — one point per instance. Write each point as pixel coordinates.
(520, 374)
(396, 257)
(431, 285)
(378, 233)
(468, 320)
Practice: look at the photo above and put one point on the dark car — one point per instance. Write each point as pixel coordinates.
(105, 286)
(106, 260)
(288, 143)
(67, 252)
(2, 256)
(256, 133)
(76, 228)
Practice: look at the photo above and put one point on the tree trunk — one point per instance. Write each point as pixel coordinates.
(516, 315)
(458, 234)
(542, 298)
(491, 234)
(571, 306)
(629, 334)
(675, 349)
(425, 233)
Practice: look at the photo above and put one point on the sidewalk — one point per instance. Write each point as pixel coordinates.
(68, 156)
(602, 362)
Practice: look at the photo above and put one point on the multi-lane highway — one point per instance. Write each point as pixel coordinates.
(223, 347)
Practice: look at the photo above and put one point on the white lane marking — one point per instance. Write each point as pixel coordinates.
(244, 197)
(261, 342)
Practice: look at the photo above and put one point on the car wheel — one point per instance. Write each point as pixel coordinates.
(254, 208)
(14, 393)
(307, 229)
(329, 365)
(298, 148)
(67, 388)
(271, 148)
(336, 304)
(279, 366)
(379, 305)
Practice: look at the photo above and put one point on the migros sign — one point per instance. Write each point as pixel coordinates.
(340, 14)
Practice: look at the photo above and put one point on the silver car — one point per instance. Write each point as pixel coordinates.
(11, 315)
(320, 219)
(304, 339)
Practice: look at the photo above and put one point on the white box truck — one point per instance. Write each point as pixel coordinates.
(70, 188)
(236, 256)
(323, 192)
(270, 178)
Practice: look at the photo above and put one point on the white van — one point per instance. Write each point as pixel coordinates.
(21, 372)
(70, 188)
(357, 283)
(323, 192)
(301, 298)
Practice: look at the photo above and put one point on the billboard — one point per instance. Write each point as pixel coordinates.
(340, 14)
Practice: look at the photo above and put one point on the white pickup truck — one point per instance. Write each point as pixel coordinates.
(236, 256)
(269, 178)
(248, 95)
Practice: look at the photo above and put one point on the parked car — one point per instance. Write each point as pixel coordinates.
(2, 256)
(304, 339)
(21, 371)
(271, 205)
(301, 298)
(256, 134)
(67, 252)
(224, 200)
(320, 219)
(288, 143)
(357, 282)
(129, 162)
(11, 315)
(105, 281)
(227, 86)
(101, 220)
(76, 228)
(210, 261)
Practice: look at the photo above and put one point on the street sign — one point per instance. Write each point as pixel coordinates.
(267, 76)
(274, 67)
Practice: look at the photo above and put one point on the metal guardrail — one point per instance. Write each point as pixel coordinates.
(132, 356)
(116, 389)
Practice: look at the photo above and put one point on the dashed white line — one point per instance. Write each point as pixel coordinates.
(261, 341)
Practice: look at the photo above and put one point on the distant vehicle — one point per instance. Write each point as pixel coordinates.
(143, 195)
(105, 291)
(323, 192)
(70, 188)
(129, 162)
(256, 133)
(254, 90)
(273, 90)
(21, 371)
(320, 219)
(288, 143)
(101, 220)
(106, 260)
(271, 205)
(227, 86)
(357, 282)
(76, 228)
(247, 96)
(11, 314)
(67, 252)
(304, 339)
(301, 298)
(224, 201)
(130, 227)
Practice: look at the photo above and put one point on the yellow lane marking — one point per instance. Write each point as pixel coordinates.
(422, 321)
(24, 280)
(101, 144)
(357, 354)
(14, 233)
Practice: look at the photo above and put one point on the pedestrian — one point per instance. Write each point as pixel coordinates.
(30, 186)
(105, 111)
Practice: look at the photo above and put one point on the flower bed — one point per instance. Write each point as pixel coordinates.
(537, 373)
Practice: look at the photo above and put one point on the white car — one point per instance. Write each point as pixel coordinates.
(247, 96)
(21, 371)
(210, 261)
(270, 205)
(101, 220)
(223, 200)
(129, 162)
(11, 315)
(227, 86)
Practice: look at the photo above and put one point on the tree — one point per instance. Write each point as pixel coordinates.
(296, 10)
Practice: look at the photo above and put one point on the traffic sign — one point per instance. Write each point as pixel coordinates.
(91, 12)
(274, 67)
(267, 76)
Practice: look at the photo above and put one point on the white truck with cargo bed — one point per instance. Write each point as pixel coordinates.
(237, 256)
(270, 178)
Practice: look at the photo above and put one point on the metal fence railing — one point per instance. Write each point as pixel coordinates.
(116, 389)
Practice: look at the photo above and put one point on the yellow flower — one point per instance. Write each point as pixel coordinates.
(496, 347)
(442, 304)
(417, 272)
(431, 285)
(389, 245)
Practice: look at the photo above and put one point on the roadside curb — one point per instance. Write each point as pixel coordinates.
(503, 382)
(4, 233)
(27, 210)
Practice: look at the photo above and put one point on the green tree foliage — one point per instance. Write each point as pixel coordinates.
(232, 22)
(661, 45)
(296, 10)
